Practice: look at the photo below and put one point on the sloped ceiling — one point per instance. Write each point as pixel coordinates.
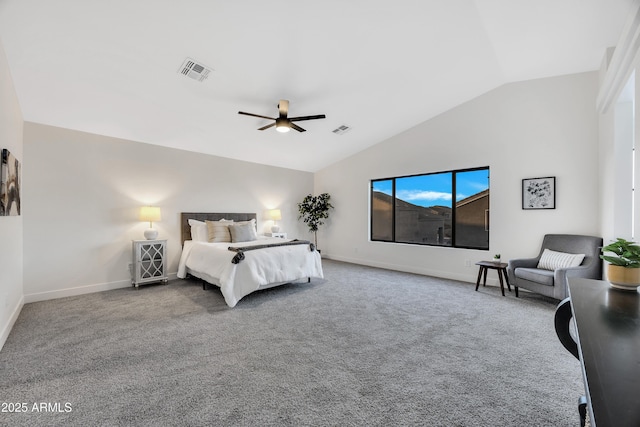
(380, 67)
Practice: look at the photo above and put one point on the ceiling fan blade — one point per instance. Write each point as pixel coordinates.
(267, 126)
(256, 115)
(296, 127)
(299, 119)
(283, 107)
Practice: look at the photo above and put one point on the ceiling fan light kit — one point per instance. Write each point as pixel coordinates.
(283, 123)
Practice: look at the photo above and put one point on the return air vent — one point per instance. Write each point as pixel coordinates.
(194, 70)
(342, 129)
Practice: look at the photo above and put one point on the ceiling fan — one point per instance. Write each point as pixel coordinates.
(284, 123)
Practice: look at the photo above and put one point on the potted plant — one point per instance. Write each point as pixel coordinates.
(313, 210)
(496, 258)
(623, 270)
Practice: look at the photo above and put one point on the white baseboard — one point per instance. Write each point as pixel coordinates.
(12, 320)
(81, 290)
(471, 277)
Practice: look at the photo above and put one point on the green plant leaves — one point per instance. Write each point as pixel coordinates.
(313, 210)
(625, 253)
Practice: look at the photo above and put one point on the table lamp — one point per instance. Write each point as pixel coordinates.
(150, 213)
(275, 215)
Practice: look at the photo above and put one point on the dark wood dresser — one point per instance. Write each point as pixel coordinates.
(607, 324)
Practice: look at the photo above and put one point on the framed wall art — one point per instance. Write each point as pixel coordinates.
(9, 184)
(539, 193)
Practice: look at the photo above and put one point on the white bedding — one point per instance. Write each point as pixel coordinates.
(260, 268)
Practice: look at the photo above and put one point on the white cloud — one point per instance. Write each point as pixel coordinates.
(418, 195)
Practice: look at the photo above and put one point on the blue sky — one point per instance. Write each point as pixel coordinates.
(435, 189)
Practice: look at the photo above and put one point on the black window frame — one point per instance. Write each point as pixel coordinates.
(453, 173)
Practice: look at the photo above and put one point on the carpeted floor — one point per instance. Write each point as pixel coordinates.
(364, 347)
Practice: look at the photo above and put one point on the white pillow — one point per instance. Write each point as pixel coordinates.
(251, 221)
(218, 231)
(243, 232)
(552, 260)
(198, 230)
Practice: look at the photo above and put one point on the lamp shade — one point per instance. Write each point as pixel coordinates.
(150, 213)
(275, 214)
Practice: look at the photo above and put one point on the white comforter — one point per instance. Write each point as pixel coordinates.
(260, 267)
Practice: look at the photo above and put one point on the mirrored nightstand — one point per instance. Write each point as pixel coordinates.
(149, 262)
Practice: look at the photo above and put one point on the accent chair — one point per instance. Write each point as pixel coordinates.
(560, 258)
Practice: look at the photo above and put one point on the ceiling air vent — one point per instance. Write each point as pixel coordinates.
(342, 129)
(194, 70)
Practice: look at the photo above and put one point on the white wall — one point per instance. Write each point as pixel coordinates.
(82, 195)
(10, 226)
(539, 128)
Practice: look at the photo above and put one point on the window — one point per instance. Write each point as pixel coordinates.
(626, 204)
(382, 208)
(443, 209)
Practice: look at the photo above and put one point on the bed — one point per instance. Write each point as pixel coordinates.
(246, 264)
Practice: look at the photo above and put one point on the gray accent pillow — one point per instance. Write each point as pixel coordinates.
(243, 232)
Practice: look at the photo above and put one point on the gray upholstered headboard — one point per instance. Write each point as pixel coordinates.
(185, 233)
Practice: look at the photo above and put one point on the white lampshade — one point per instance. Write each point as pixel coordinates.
(275, 215)
(150, 213)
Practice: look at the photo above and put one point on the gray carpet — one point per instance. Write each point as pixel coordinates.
(364, 347)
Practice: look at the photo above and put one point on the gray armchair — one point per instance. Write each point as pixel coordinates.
(523, 272)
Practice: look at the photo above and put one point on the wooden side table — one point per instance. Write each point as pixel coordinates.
(502, 270)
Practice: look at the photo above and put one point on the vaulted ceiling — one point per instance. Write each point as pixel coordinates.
(378, 67)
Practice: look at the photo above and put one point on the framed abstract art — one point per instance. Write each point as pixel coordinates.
(9, 184)
(539, 193)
